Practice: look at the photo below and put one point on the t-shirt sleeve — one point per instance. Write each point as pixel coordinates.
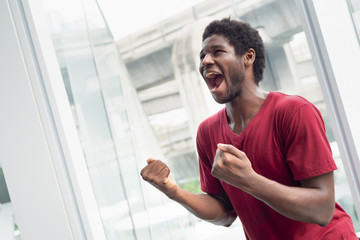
(307, 150)
(208, 183)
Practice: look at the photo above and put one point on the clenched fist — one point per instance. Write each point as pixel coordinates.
(232, 166)
(157, 174)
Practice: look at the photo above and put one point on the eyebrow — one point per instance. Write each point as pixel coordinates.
(217, 46)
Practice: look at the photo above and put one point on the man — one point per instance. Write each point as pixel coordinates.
(264, 157)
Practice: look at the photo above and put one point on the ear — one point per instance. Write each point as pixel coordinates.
(249, 57)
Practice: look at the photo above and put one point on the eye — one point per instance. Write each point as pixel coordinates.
(217, 52)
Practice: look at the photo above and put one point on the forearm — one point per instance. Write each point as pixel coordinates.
(306, 204)
(204, 207)
(201, 205)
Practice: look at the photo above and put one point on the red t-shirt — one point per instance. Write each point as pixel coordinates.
(285, 142)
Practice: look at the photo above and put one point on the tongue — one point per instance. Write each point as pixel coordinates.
(218, 80)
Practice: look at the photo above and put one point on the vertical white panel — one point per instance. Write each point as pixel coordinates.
(24, 149)
(39, 149)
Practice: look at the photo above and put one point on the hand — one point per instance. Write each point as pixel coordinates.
(157, 174)
(232, 166)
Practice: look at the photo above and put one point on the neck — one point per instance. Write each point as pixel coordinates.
(243, 109)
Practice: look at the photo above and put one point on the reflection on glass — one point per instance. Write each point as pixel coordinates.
(143, 97)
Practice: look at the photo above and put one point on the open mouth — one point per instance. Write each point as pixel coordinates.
(213, 79)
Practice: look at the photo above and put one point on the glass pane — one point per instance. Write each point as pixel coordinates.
(8, 227)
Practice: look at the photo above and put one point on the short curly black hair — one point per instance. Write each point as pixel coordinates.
(242, 36)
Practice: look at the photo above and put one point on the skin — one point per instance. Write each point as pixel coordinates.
(313, 202)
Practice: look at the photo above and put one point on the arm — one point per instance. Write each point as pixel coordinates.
(203, 206)
(313, 202)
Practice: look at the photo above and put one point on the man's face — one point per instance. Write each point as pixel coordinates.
(221, 68)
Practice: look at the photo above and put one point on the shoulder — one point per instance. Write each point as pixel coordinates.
(290, 105)
(205, 134)
(209, 128)
(290, 101)
(213, 120)
(293, 113)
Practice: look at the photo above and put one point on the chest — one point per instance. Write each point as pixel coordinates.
(263, 145)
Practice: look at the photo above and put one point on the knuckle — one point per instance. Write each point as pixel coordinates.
(215, 174)
(242, 154)
(160, 164)
(216, 168)
(144, 176)
(151, 179)
(224, 160)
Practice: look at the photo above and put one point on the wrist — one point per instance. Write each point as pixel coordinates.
(172, 194)
(252, 183)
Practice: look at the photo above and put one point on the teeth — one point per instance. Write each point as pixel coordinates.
(213, 74)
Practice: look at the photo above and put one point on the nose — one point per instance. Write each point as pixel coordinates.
(207, 60)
